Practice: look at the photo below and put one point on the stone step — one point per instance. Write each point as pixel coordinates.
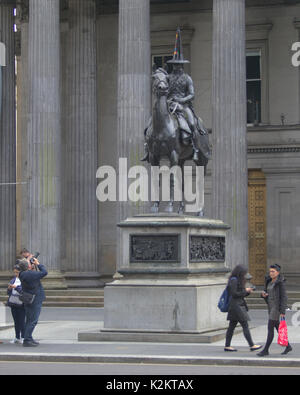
(69, 298)
(79, 303)
(291, 293)
(69, 292)
(259, 300)
(257, 306)
(254, 301)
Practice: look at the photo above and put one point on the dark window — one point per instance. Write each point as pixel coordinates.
(253, 87)
(161, 61)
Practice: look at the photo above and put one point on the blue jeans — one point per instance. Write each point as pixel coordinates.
(32, 312)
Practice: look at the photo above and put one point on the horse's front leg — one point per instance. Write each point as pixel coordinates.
(170, 204)
(181, 204)
(181, 208)
(174, 158)
(154, 161)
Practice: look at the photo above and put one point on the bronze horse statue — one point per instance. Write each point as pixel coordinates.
(166, 136)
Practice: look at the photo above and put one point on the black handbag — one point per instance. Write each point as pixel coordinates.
(27, 298)
(14, 301)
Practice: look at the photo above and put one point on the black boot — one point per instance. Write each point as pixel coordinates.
(263, 353)
(288, 349)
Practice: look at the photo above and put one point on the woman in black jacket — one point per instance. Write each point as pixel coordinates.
(238, 309)
(275, 296)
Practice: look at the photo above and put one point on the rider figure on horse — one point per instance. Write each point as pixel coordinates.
(180, 96)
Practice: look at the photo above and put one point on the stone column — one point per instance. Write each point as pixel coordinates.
(44, 132)
(80, 201)
(230, 126)
(134, 88)
(8, 141)
(22, 129)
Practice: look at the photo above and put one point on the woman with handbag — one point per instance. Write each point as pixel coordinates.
(17, 307)
(238, 309)
(275, 296)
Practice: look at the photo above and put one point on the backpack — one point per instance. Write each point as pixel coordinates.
(224, 300)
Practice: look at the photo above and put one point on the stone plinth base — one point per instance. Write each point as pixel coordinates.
(173, 272)
(154, 337)
(165, 303)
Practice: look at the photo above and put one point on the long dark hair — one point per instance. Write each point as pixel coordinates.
(239, 272)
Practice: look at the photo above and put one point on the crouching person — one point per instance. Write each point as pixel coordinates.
(33, 296)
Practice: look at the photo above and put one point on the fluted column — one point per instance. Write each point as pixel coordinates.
(44, 132)
(7, 141)
(22, 129)
(80, 201)
(134, 88)
(229, 126)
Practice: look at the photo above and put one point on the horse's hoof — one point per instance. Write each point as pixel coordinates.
(181, 209)
(154, 208)
(170, 208)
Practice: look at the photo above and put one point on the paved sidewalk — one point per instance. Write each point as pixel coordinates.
(58, 343)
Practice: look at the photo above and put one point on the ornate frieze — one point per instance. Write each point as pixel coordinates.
(207, 249)
(154, 248)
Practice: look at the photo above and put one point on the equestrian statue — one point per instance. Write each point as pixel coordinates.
(174, 131)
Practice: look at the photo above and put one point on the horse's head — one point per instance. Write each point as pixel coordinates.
(160, 82)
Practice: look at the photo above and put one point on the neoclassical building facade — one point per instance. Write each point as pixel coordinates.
(76, 95)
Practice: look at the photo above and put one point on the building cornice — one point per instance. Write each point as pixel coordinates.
(258, 30)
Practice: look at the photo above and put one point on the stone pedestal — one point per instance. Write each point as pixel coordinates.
(172, 274)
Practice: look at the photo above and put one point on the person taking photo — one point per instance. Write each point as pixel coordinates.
(31, 284)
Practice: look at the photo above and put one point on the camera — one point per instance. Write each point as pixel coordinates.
(35, 256)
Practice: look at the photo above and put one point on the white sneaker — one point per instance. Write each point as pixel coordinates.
(16, 341)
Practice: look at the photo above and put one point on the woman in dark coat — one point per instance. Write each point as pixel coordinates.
(238, 309)
(275, 296)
